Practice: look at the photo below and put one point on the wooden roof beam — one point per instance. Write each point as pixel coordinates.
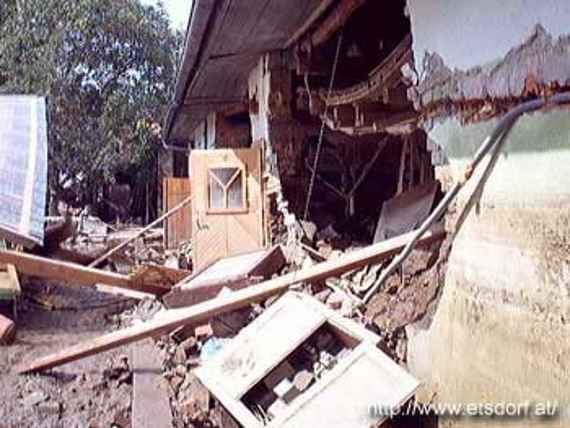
(311, 20)
(333, 22)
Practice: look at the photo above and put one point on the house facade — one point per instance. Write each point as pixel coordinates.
(352, 102)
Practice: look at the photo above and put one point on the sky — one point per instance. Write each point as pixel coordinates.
(179, 11)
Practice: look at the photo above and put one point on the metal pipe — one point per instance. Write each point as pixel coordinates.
(496, 140)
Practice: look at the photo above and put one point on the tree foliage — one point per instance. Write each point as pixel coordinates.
(108, 69)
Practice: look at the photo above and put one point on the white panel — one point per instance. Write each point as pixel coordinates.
(23, 168)
(344, 397)
(261, 346)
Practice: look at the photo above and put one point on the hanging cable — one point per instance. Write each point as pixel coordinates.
(322, 130)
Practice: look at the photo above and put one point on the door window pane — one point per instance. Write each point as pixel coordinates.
(226, 188)
(217, 194)
(224, 175)
(235, 192)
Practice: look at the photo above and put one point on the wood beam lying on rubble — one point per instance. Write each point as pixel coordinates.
(141, 232)
(201, 312)
(29, 264)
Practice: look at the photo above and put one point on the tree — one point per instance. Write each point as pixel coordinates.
(108, 69)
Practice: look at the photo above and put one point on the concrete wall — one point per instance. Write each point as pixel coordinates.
(501, 331)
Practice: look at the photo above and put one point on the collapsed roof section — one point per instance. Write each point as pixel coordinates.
(23, 169)
(224, 41)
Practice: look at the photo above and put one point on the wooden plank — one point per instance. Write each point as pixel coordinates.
(177, 228)
(29, 264)
(151, 405)
(233, 272)
(155, 275)
(145, 229)
(202, 312)
(123, 292)
(335, 21)
(9, 282)
(311, 20)
(270, 264)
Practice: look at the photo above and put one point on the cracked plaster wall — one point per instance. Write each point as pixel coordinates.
(500, 332)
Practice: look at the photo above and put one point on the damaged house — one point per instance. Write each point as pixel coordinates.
(365, 109)
(375, 196)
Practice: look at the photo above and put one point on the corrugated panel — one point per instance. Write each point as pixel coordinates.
(23, 168)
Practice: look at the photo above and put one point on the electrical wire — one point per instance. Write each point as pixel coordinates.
(322, 130)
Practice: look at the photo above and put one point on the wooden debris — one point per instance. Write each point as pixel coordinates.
(145, 229)
(334, 21)
(314, 17)
(151, 275)
(406, 211)
(71, 273)
(7, 331)
(204, 311)
(129, 294)
(231, 272)
(9, 282)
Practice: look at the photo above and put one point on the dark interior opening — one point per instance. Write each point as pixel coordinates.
(369, 36)
(298, 372)
(353, 162)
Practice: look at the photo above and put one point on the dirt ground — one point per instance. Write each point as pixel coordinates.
(92, 392)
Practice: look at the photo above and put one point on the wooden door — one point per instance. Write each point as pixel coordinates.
(178, 227)
(227, 205)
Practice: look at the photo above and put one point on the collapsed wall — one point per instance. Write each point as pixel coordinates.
(500, 333)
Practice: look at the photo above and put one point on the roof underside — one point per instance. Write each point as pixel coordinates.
(225, 40)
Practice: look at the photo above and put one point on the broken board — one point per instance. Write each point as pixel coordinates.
(405, 212)
(231, 272)
(9, 283)
(72, 273)
(155, 275)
